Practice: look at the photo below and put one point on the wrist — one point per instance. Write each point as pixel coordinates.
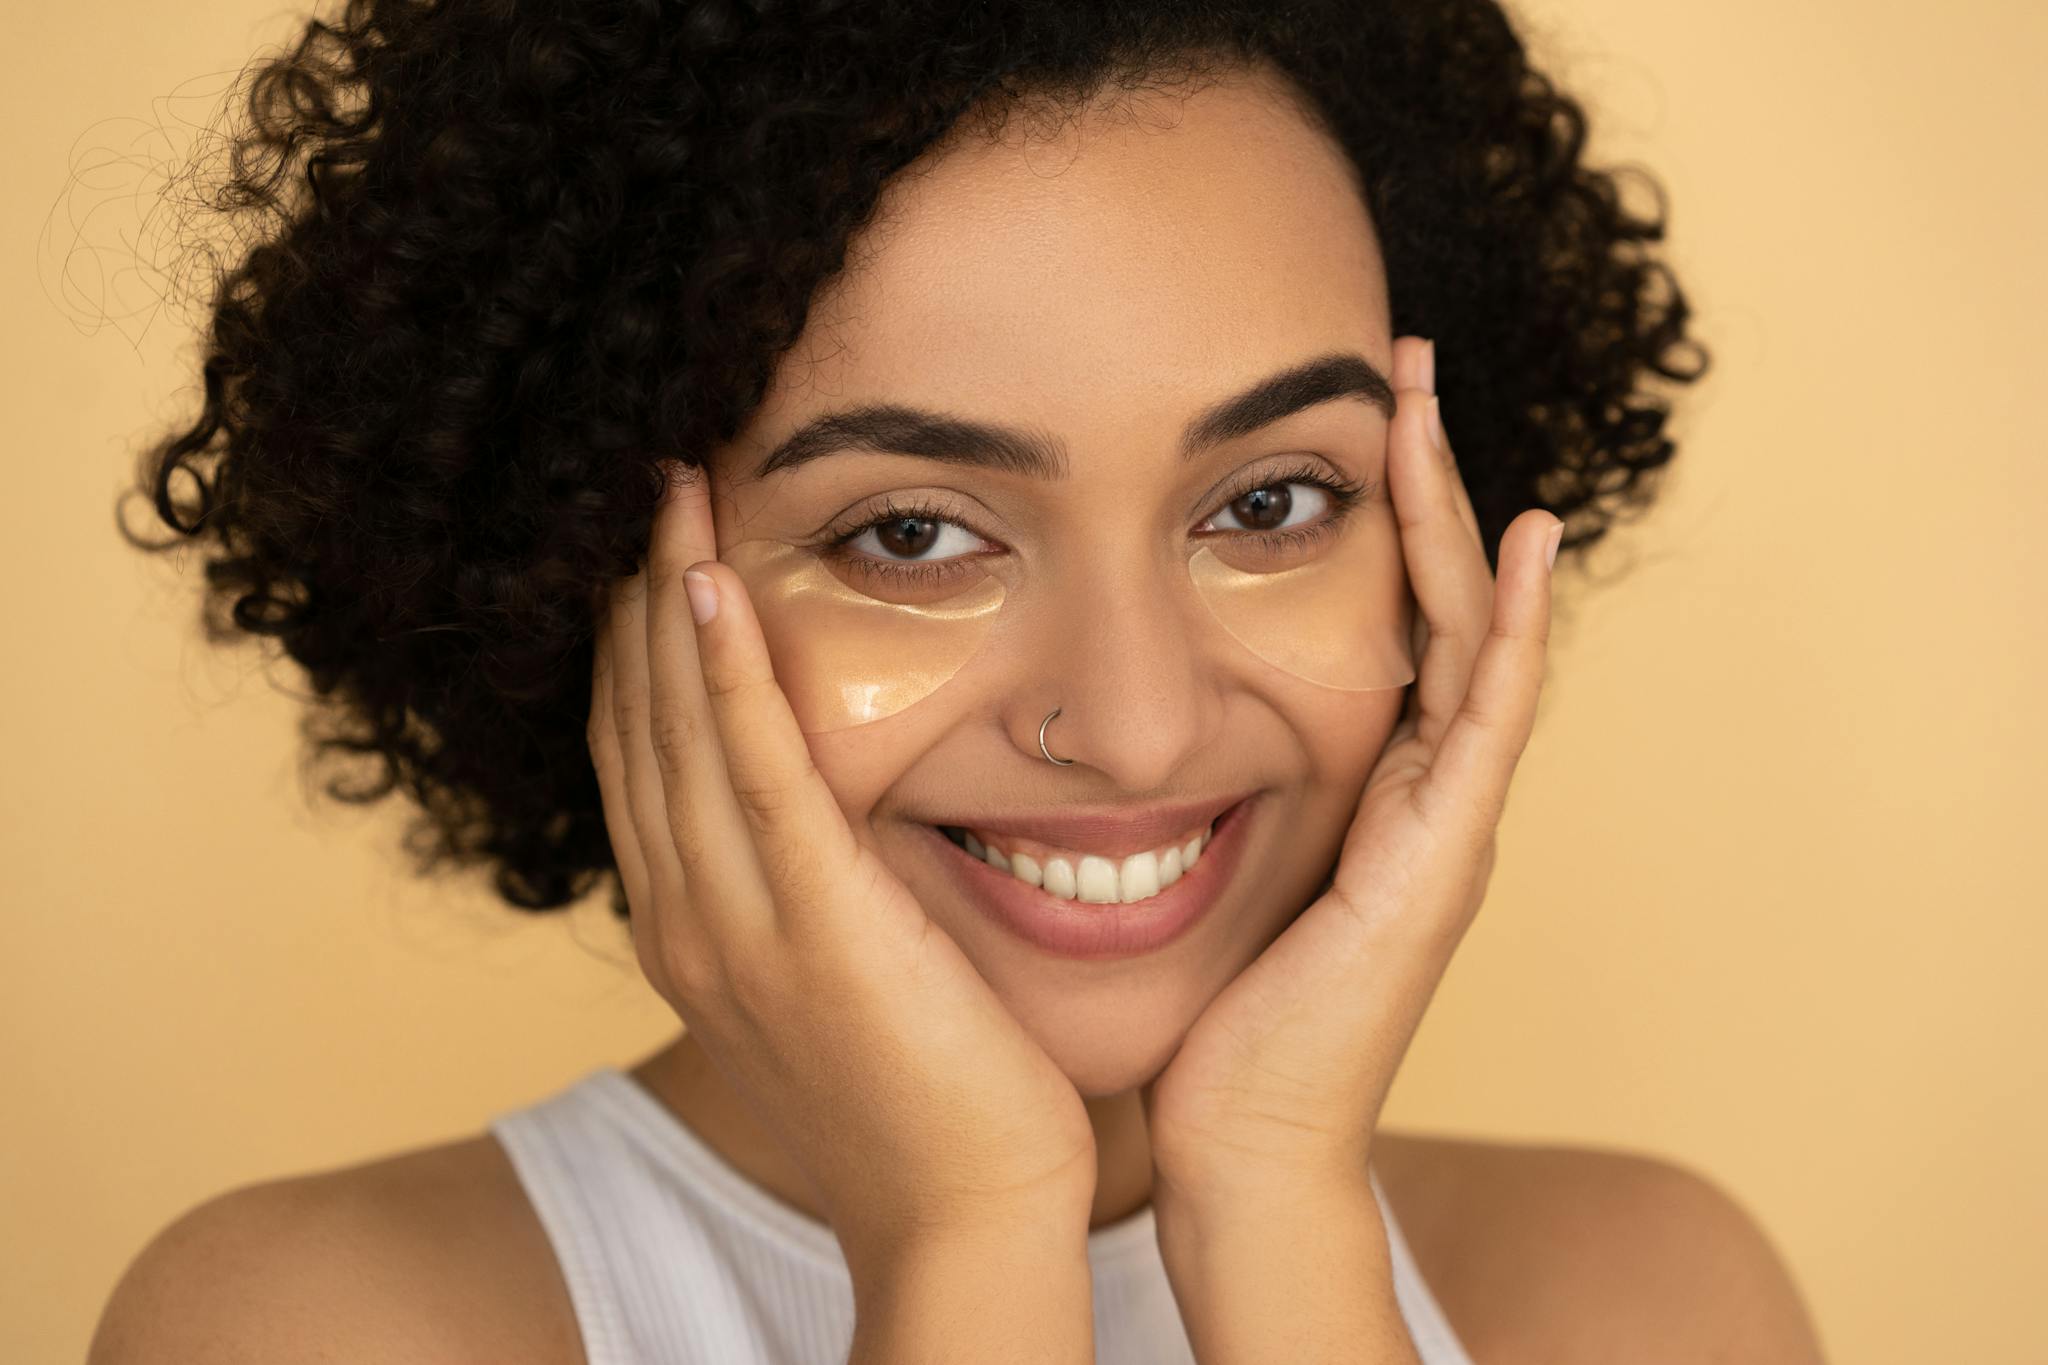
(1226, 1171)
(1011, 1291)
(1309, 1263)
(1202, 1227)
(1222, 1197)
(1040, 1235)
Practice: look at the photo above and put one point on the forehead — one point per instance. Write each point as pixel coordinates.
(1102, 281)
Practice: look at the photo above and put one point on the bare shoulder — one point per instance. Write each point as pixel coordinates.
(1541, 1253)
(431, 1254)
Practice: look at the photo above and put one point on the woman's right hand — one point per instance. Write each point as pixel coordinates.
(851, 1025)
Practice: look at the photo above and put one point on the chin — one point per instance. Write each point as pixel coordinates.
(1098, 1076)
(1113, 1041)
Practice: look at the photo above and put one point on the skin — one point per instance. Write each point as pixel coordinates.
(1219, 239)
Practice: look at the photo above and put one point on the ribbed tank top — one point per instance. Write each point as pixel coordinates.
(673, 1257)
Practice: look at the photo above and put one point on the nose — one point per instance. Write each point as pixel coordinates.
(1137, 692)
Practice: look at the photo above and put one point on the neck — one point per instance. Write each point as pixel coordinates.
(683, 1078)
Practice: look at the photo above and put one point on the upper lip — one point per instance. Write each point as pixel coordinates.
(1110, 831)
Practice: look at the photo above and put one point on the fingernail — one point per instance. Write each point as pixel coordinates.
(1556, 535)
(1429, 366)
(703, 595)
(1436, 422)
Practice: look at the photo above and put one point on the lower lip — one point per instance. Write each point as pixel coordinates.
(1102, 930)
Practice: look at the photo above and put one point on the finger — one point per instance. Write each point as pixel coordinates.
(1458, 490)
(602, 733)
(1414, 367)
(1447, 569)
(646, 796)
(802, 836)
(1408, 372)
(1422, 359)
(1410, 369)
(1467, 781)
(702, 821)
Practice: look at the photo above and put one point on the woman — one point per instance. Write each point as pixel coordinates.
(1030, 408)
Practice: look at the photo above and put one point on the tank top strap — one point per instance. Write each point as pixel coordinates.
(552, 1145)
(1435, 1342)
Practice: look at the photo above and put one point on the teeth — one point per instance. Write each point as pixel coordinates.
(1170, 867)
(1090, 878)
(1138, 877)
(1097, 880)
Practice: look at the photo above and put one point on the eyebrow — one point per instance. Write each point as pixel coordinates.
(897, 428)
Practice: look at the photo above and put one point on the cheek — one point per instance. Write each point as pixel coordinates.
(857, 769)
(1341, 738)
(1342, 734)
(863, 763)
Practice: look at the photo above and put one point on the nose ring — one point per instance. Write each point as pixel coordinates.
(1063, 762)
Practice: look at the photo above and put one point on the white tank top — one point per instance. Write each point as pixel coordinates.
(672, 1257)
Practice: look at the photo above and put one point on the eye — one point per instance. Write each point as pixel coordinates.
(912, 536)
(911, 547)
(1268, 507)
(1270, 518)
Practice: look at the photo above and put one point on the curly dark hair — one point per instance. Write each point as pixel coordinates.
(518, 252)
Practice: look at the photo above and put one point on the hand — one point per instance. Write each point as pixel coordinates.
(847, 1020)
(1279, 1083)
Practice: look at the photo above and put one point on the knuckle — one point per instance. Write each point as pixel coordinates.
(598, 735)
(719, 984)
(685, 837)
(730, 685)
(763, 800)
(674, 738)
(793, 869)
(630, 713)
(750, 991)
(692, 973)
(605, 761)
(1521, 642)
(1479, 714)
(1448, 629)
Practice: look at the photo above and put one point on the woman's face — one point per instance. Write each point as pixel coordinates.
(1101, 290)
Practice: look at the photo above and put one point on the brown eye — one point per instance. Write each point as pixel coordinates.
(894, 553)
(906, 536)
(1263, 509)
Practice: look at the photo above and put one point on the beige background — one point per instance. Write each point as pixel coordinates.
(1768, 901)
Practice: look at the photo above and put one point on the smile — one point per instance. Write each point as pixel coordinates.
(1090, 906)
(1087, 877)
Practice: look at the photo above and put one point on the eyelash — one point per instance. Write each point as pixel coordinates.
(1345, 495)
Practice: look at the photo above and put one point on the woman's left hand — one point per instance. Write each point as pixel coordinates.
(1278, 1085)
